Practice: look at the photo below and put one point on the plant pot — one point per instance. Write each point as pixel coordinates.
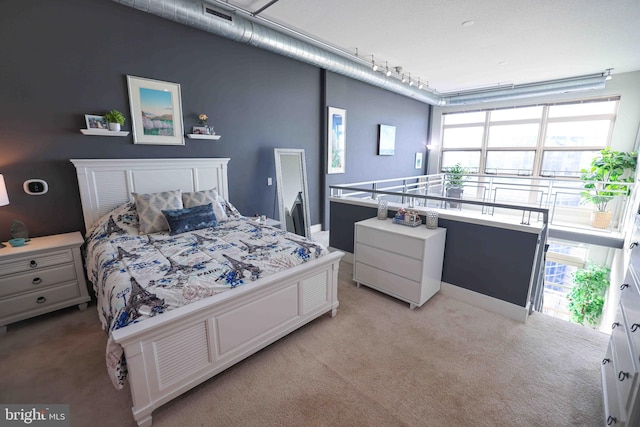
(600, 219)
(456, 193)
(114, 127)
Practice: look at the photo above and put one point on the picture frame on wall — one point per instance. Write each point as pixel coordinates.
(386, 140)
(156, 111)
(418, 161)
(336, 140)
(96, 122)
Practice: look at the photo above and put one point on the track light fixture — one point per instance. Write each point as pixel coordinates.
(410, 81)
(607, 74)
(420, 85)
(404, 79)
(388, 73)
(373, 64)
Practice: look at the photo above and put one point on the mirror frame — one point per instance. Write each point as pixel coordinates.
(279, 185)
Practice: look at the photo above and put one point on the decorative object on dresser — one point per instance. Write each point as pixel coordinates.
(4, 197)
(403, 262)
(156, 111)
(620, 366)
(19, 230)
(41, 276)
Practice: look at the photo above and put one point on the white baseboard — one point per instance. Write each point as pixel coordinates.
(494, 305)
(316, 228)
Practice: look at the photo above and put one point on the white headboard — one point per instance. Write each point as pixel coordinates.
(107, 183)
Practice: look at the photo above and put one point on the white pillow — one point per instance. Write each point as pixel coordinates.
(204, 197)
(150, 207)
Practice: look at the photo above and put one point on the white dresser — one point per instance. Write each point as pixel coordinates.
(404, 262)
(44, 275)
(620, 366)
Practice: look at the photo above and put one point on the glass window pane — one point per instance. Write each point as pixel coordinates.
(468, 159)
(513, 135)
(572, 110)
(467, 137)
(516, 114)
(566, 163)
(578, 134)
(511, 162)
(464, 118)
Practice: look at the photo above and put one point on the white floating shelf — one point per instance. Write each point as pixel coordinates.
(104, 132)
(201, 136)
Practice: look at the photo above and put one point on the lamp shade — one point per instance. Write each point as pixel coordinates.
(4, 197)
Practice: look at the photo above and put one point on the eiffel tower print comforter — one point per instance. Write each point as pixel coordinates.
(138, 276)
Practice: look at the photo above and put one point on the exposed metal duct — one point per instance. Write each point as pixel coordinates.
(224, 20)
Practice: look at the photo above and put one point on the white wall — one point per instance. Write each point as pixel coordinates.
(625, 133)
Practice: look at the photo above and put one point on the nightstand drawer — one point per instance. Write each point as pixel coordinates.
(393, 285)
(399, 244)
(36, 300)
(28, 263)
(38, 278)
(393, 263)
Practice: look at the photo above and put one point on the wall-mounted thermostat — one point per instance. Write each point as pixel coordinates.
(35, 187)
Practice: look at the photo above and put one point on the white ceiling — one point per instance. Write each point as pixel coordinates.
(509, 42)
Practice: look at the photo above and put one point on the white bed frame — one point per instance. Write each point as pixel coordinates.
(172, 353)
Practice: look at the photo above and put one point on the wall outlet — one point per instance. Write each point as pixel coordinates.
(269, 181)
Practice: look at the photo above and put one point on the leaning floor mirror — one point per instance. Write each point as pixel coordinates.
(293, 196)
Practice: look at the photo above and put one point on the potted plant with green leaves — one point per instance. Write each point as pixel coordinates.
(455, 177)
(115, 119)
(605, 179)
(586, 298)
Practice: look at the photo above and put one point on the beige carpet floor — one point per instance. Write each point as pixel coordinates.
(376, 363)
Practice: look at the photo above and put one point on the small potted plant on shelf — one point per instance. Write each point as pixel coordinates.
(604, 180)
(115, 119)
(455, 177)
(586, 298)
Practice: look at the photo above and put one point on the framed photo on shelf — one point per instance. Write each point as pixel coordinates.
(96, 122)
(386, 140)
(336, 140)
(156, 111)
(199, 130)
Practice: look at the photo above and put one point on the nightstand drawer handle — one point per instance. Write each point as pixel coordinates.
(611, 420)
(623, 375)
(615, 325)
(624, 285)
(40, 300)
(605, 361)
(635, 327)
(36, 281)
(33, 263)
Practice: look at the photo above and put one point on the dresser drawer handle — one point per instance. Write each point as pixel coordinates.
(611, 420)
(36, 281)
(635, 327)
(615, 325)
(605, 361)
(624, 285)
(40, 300)
(33, 263)
(623, 375)
(633, 245)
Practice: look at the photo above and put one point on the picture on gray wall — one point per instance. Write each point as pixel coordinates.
(156, 111)
(386, 140)
(336, 144)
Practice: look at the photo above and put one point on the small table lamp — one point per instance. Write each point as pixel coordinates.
(4, 197)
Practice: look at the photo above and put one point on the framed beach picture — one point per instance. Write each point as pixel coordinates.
(418, 161)
(386, 140)
(336, 140)
(156, 111)
(96, 122)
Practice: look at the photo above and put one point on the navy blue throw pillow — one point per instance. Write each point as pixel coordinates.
(189, 219)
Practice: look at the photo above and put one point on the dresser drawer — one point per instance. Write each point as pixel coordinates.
(38, 278)
(391, 242)
(613, 413)
(36, 300)
(393, 284)
(397, 264)
(623, 363)
(27, 263)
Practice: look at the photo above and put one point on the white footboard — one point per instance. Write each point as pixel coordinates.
(172, 353)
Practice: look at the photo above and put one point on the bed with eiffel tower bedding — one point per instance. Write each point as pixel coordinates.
(139, 276)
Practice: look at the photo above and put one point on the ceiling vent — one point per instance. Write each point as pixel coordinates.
(217, 13)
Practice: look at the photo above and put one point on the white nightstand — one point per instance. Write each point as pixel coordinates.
(44, 275)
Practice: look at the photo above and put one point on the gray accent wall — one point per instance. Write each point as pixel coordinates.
(67, 58)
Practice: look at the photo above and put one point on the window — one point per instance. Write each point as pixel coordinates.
(555, 140)
(562, 260)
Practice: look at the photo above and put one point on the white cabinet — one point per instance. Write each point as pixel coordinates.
(44, 275)
(620, 366)
(404, 262)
